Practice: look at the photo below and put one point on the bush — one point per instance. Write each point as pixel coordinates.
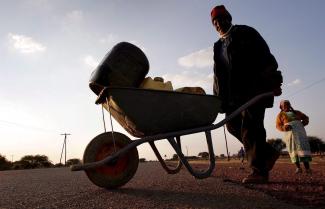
(73, 161)
(4, 163)
(33, 161)
(278, 144)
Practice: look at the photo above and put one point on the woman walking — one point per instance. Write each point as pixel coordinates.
(292, 123)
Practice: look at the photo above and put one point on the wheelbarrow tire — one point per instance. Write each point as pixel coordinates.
(116, 173)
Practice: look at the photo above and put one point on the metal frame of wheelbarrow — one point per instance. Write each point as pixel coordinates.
(175, 141)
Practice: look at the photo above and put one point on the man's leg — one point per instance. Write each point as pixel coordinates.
(254, 138)
(261, 155)
(248, 128)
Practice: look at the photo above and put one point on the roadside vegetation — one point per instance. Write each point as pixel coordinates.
(317, 146)
(32, 162)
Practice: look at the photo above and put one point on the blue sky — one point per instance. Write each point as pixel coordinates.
(48, 50)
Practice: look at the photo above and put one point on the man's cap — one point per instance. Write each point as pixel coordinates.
(220, 11)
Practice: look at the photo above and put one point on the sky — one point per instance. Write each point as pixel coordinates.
(48, 50)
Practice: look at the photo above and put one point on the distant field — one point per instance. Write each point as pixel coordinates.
(283, 159)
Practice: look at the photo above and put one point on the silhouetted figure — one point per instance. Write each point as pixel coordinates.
(243, 68)
(241, 155)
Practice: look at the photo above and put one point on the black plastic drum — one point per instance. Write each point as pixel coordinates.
(125, 65)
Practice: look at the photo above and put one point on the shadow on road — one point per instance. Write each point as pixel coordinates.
(195, 200)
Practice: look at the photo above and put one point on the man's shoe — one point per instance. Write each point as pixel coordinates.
(256, 178)
(271, 161)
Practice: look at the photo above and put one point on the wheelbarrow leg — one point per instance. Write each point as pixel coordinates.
(161, 160)
(196, 174)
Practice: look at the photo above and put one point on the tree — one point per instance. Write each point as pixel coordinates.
(277, 143)
(31, 161)
(316, 144)
(73, 161)
(42, 161)
(4, 163)
(175, 157)
(58, 165)
(142, 160)
(203, 154)
(26, 162)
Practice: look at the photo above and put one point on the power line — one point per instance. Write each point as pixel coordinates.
(306, 87)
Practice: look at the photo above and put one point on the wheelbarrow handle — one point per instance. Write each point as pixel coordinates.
(243, 107)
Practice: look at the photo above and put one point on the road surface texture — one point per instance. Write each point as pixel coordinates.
(300, 189)
(150, 188)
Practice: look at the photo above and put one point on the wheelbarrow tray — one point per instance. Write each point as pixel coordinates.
(146, 112)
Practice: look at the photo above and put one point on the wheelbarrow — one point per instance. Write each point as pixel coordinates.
(111, 159)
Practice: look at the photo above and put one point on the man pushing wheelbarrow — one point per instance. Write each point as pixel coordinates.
(245, 83)
(243, 68)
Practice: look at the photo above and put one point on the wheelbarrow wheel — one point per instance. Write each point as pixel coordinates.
(116, 173)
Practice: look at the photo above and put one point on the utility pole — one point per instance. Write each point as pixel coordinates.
(65, 149)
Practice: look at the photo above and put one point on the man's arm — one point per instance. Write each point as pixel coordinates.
(271, 77)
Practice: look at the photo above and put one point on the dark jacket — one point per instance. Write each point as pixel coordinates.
(250, 68)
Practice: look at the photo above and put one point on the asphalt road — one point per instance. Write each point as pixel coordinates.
(150, 188)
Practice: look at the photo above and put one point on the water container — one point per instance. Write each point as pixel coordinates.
(156, 83)
(125, 65)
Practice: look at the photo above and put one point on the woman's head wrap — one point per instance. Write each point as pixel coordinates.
(283, 102)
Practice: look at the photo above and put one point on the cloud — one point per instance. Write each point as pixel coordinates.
(25, 44)
(200, 59)
(72, 21)
(74, 16)
(91, 61)
(295, 82)
(191, 79)
(38, 4)
(110, 39)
